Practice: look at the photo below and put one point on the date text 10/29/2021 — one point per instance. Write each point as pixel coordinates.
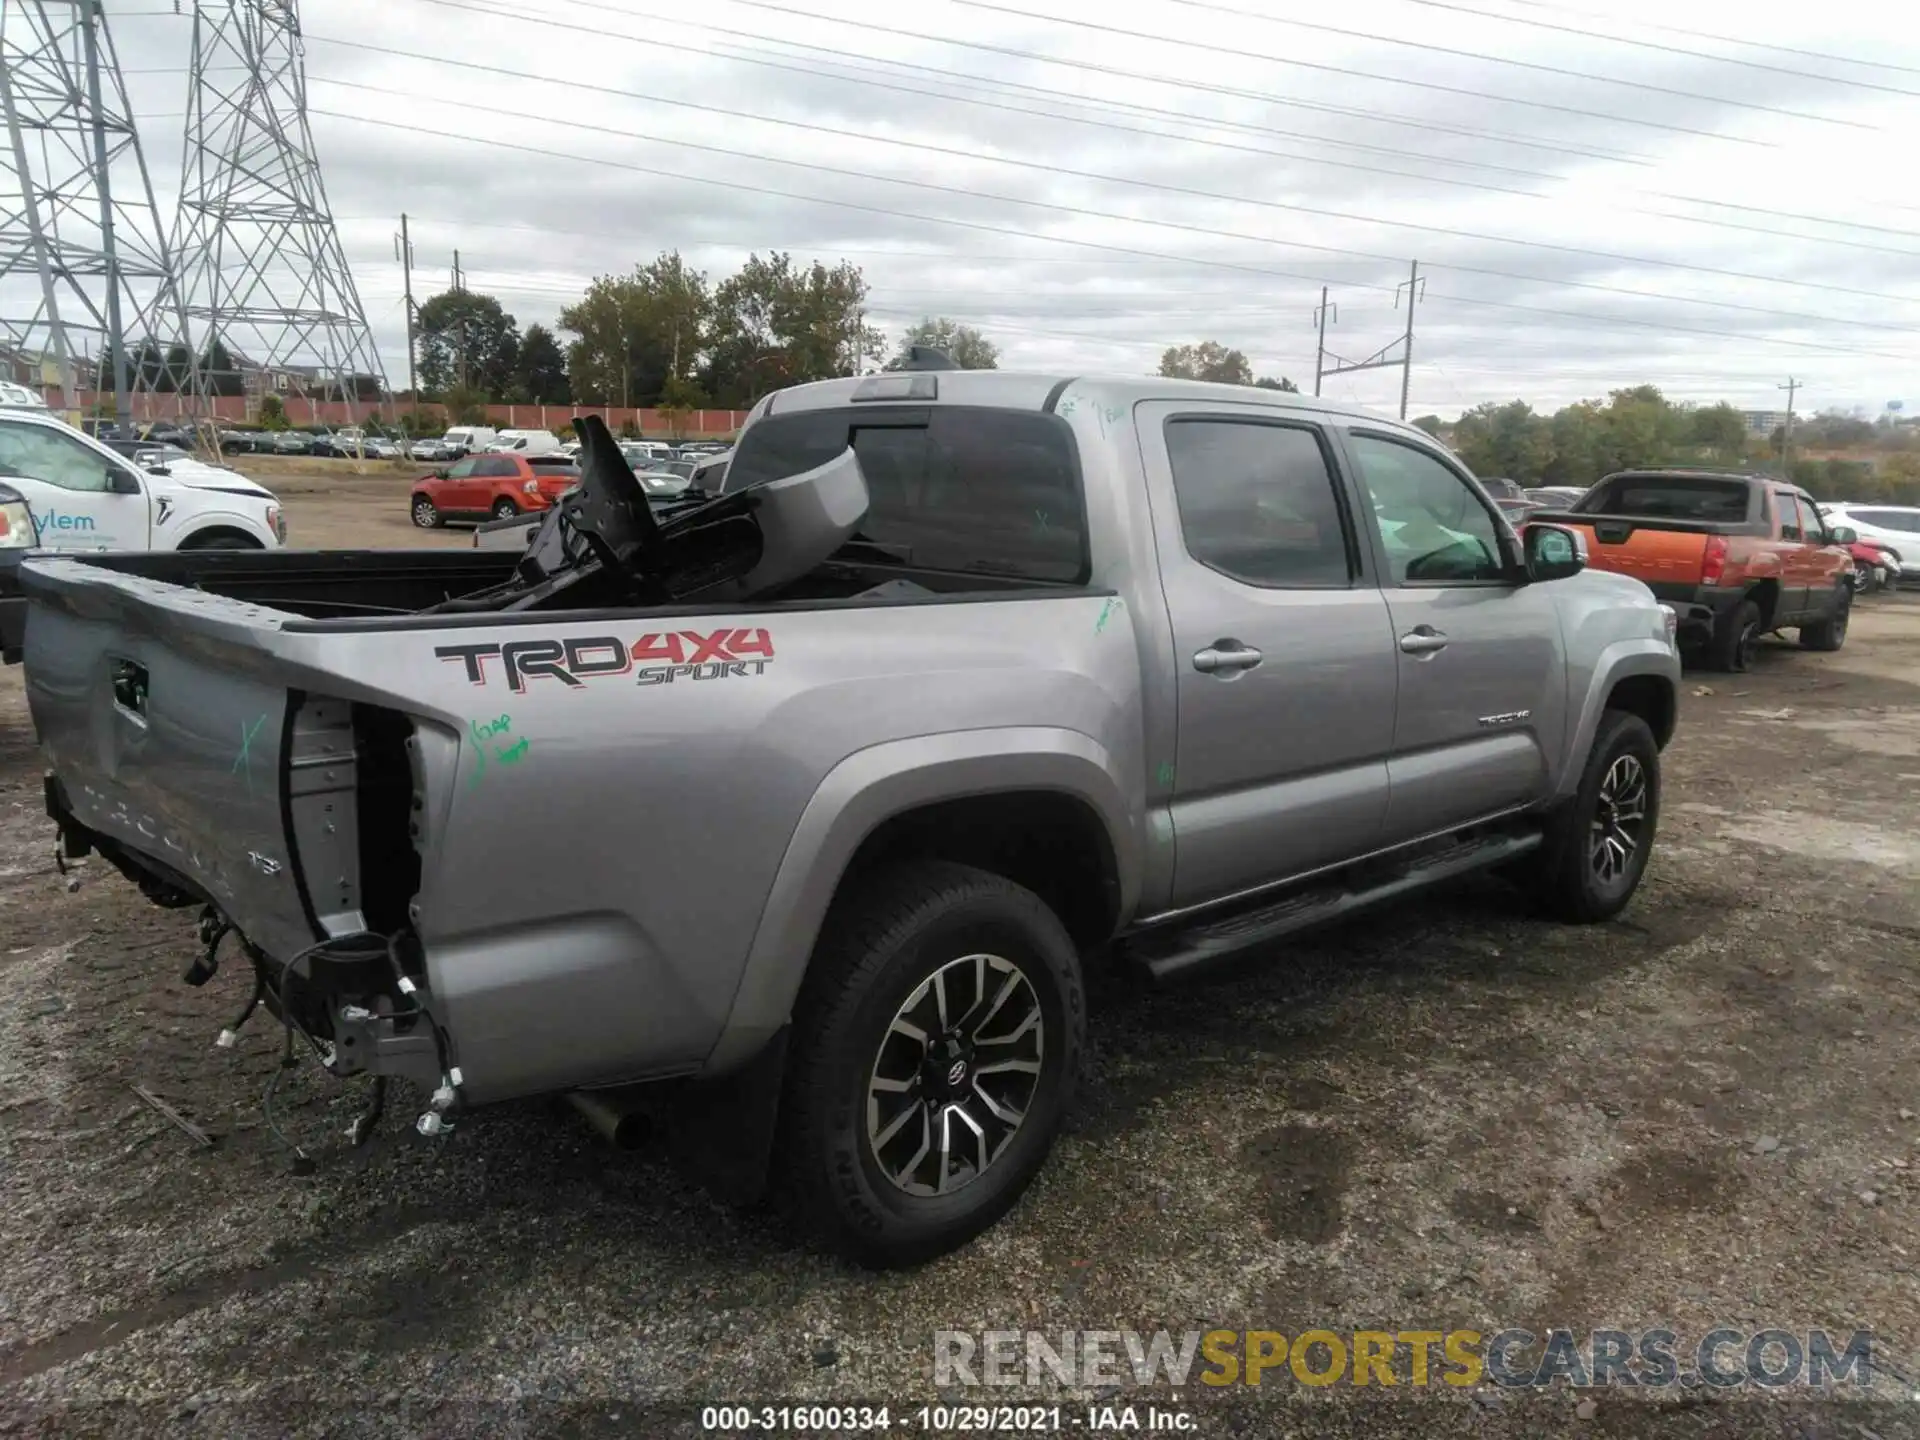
(946, 1419)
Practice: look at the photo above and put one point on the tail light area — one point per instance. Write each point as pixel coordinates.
(1713, 560)
(389, 801)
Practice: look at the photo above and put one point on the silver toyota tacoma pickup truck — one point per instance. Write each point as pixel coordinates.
(838, 777)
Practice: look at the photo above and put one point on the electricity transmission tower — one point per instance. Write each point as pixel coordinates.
(260, 260)
(1381, 359)
(85, 270)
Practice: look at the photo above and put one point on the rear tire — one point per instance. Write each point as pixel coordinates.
(504, 509)
(852, 1129)
(425, 513)
(1830, 634)
(1580, 874)
(1736, 639)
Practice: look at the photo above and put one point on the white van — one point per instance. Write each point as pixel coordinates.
(467, 440)
(527, 442)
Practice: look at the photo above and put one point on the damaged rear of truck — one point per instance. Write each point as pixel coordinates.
(504, 824)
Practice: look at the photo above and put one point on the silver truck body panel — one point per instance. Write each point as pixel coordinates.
(623, 877)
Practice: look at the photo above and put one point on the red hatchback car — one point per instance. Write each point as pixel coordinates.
(489, 487)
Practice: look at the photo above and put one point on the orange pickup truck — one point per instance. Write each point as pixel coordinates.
(1736, 556)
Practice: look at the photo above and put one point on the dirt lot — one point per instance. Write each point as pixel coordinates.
(1449, 1116)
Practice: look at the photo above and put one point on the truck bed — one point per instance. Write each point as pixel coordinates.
(1656, 549)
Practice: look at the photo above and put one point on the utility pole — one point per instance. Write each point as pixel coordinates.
(404, 254)
(1786, 438)
(1406, 358)
(1383, 358)
(1320, 352)
(460, 334)
(116, 336)
(459, 280)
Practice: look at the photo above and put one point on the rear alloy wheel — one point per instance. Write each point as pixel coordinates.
(1864, 577)
(504, 509)
(425, 513)
(935, 1047)
(1831, 633)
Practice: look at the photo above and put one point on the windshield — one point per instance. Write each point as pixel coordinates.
(1669, 497)
(993, 492)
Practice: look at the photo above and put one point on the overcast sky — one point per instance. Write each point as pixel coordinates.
(1212, 181)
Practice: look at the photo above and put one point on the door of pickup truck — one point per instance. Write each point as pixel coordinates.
(1482, 694)
(1799, 539)
(1283, 654)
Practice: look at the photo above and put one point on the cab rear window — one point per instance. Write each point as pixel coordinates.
(1670, 497)
(990, 492)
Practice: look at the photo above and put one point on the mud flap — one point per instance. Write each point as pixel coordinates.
(723, 1129)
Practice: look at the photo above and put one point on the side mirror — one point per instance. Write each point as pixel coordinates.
(1844, 535)
(1553, 552)
(123, 482)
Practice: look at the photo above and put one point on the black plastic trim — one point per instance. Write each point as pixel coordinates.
(296, 700)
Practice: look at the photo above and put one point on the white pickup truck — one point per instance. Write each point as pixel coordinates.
(76, 493)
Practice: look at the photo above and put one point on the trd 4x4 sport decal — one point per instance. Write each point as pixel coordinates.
(655, 659)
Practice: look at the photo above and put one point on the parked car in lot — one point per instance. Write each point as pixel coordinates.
(1554, 497)
(1893, 528)
(245, 442)
(710, 472)
(1737, 556)
(1874, 568)
(64, 490)
(960, 679)
(488, 487)
(525, 442)
(468, 439)
(291, 442)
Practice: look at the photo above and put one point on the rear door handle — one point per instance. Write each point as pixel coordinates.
(1226, 655)
(1422, 640)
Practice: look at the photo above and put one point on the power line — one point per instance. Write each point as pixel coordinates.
(1186, 191)
(1213, 143)
(1385, 117)
(1727, 39)
(985, 228)
(1674, 49)
(1434, 85)
(1427, 47)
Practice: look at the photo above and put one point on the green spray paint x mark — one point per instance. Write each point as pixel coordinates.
(1106, 610)
(243, 762)
(1166, 774)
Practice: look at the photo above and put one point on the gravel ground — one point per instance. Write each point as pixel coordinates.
(1451, 1115)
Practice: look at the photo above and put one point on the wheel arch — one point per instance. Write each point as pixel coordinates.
(220, 535)
(1765, 594)
(1641, 676)
(1038, 805)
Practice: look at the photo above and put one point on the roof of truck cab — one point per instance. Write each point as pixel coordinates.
(1025, 390)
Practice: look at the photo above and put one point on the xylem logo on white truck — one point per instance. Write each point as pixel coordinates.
(54, 520)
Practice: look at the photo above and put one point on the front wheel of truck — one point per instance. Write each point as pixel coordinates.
(936, 1044)
(1596, 846)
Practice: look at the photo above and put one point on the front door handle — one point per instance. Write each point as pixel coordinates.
(1422, 640)
(1228, 655)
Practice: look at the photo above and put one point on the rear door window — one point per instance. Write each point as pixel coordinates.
(1257, 503)
(991, 492)
(1789, 512)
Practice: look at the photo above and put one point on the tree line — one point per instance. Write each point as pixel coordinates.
(668, 336)
(1638, 426)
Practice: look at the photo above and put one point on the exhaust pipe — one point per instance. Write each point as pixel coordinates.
(619, 1123)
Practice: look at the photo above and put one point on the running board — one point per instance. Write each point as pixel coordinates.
(1178, 951)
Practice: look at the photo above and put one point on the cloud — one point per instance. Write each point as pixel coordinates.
(1103, 196)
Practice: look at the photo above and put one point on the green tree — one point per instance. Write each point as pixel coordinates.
(466, 338)
(222, 374)
(1719, 429)
(542, 371)
(1432, 424)
(1208, 360)
(1268, 382)
(1507, 441)
(963, 344)
(273, 415)
(465, 405)
(635, 331)
(776, 323)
